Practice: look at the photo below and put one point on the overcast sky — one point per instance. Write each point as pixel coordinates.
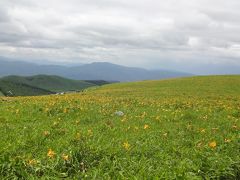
(174, 34)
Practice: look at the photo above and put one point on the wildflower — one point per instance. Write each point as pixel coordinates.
(234, 127)
(78, 136)
(124, 119)
(199, 144)
(90, 133)
(55, 123)
(205, 117)
(46, 133)
(31, 162)
(65, 110)
(227, 140)
(146, 126)
(126, 145)
(65, 157)
(144, 114)
(51, 153)
(165, 134)
(212, 144)
(202, 130)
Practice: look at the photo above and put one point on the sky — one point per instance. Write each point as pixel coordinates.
(201, 36)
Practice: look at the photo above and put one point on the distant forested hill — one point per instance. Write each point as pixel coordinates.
(42, 85)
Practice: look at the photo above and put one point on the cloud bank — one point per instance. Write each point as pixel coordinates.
(170, 34)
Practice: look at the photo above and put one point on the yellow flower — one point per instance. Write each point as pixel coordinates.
(202, 130)
(55, 124)
(90, 133)
(143, 115)
(165, 134)
(65, 110)
(215, 129)
(234, 127)
(32, 162)
(46, 133)
(126, 145)
(51, 153)
(65, 157)
(146, 126)
(212, 144)
(124, 119)
(227, 140)
(78, 136)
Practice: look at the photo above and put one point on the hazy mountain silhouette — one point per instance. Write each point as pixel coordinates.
(93, 71)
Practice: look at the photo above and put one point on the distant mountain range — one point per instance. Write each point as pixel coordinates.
(42, 85)
(93, 71)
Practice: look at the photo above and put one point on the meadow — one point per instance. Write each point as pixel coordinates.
(186, 128)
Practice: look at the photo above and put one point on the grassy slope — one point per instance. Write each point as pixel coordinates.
(51, 83)
(202, 86)
(169, 131)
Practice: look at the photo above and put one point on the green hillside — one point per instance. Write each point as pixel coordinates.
(1, 94)
(45, 84)
(9, 88)
(186, 128)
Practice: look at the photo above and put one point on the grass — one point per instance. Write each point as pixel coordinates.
(171, 129)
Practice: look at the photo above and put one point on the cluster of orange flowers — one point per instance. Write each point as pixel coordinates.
(51, 154)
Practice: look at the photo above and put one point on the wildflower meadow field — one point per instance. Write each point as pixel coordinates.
(186, 128)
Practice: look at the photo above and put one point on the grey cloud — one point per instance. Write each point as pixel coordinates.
(136, 32)
(3, 15)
